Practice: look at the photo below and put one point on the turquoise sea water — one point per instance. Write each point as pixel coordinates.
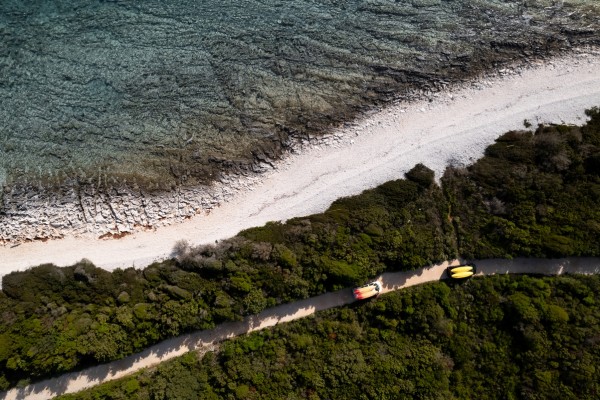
(172, 91)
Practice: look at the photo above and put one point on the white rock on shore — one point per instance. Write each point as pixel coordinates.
(391, 141)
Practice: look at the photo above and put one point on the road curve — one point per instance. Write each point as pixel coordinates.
(77, 381)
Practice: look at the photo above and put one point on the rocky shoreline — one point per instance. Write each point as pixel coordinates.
(104, 102)
(76, 209)
(82, 209)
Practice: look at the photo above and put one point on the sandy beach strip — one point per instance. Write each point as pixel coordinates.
(450, 127)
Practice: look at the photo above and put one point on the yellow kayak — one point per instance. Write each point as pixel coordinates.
(464, 274)
(466, 268)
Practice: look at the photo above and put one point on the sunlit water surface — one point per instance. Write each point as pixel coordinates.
(157, 91)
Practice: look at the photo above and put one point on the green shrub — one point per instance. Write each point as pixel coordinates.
(534, 194)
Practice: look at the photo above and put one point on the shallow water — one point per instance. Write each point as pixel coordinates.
(174, 91)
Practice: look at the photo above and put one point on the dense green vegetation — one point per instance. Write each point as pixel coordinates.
(534, 338)
(533, 194)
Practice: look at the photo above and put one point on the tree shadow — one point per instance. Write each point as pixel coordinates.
(541, 266)
(206, 339)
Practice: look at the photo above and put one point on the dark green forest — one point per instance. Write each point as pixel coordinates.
(500, 337)
(534, 193)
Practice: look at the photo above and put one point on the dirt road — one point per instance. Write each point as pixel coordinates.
(207, 340)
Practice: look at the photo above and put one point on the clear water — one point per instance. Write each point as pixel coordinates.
(162, 91)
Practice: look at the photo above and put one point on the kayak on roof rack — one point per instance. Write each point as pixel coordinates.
(369, 290)
(461, 271)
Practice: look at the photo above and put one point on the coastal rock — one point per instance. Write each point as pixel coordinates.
(151, 111)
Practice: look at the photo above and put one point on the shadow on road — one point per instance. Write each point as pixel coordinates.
(207, 339)
(557, 266)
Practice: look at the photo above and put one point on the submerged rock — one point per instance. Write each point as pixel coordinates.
(110, 108)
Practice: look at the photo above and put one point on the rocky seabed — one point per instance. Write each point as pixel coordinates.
(28, 213)
(31, 213)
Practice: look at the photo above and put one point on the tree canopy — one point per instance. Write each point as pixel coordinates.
(532, 194)
(500, 337)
